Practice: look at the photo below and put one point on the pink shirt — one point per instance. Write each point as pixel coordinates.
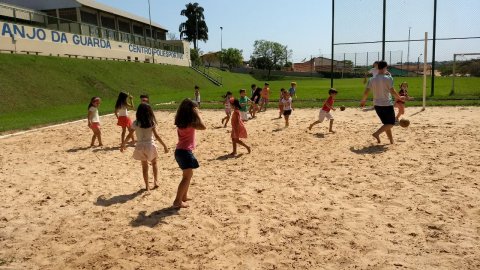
(186, 138)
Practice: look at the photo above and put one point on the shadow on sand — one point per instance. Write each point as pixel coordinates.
(154, 218)
(101, 201)
(226, 157)
(105, 149)
(421, 110)
(319, 135)
(372, 149)
(74, 150)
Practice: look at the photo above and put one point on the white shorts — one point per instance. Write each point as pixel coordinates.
(244, 115)
(323, 114)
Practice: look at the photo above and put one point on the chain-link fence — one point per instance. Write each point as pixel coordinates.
(394, 31)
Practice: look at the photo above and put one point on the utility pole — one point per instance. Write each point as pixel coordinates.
(151, 31)
(221, 46)
(408, 50)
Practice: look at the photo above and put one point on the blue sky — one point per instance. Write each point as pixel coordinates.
(305, 25)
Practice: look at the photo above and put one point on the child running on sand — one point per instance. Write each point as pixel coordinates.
(145, 149)
(197, 95)
(265, 97)
(280, 103)
(287, 107)
(325, 111)
(255, 100)
(94, 121)
(124, 102)
(404, 97)
(244, 101)
(187, 120)
(238, 129)
(228, 111)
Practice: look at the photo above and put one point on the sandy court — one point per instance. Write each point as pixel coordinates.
(302, 199)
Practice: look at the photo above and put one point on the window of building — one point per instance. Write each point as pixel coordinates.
(124, 26)
(138, 30)
(108, 22)
(68, 14)
(88, 17)
(51, 16)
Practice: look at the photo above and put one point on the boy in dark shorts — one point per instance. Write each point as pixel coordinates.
(382, 88)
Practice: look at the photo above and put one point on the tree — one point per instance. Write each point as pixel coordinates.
(195, 57)
(269, 54)
(171, 36)
(232, 57)
(195, 22)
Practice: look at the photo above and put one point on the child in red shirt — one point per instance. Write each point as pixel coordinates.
(325, 111)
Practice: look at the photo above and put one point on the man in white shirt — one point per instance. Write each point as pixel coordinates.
(382, 88)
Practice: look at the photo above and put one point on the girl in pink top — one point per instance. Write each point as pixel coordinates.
(187, 121)
(238, 128)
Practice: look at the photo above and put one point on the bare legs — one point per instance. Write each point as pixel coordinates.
(401, 111)
(385, 128)
(234, 144)
(97, 134)
(286, 120)
(330, 128)
(226, 119)
(183, 189)
(263, 106)
(130, 136)
(253, 110)
(145, 173)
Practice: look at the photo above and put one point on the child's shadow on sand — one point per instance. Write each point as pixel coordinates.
(101, 201)
(74, 150)
(226, 157)
(154, 218)
(115, 148)
(372, 149)
(319, 135)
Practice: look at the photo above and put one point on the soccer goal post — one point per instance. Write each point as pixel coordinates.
(454, 73)
(425, 71)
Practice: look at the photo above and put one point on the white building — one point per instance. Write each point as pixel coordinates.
(85, 29)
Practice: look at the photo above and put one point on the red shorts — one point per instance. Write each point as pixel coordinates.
(95, 125)
(124, 121)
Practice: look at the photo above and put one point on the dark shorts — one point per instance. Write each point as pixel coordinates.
(386, 114)
(186, 159)
(287, 112)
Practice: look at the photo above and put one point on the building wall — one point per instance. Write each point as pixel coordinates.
(21, 38)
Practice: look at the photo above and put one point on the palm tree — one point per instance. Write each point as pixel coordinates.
(194, 28)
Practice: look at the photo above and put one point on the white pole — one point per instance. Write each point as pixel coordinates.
(425, 72)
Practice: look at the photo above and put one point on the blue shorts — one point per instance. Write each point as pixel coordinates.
(186, 159)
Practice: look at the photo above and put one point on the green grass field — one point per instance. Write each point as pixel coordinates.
(38, 90)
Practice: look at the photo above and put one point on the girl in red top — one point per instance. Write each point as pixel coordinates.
(325, 111)
(187, 121)
(238, 128)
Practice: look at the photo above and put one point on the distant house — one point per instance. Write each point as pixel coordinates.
(211, 59)
(319, 64)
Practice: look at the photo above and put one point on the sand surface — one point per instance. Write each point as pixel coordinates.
(301, 200)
